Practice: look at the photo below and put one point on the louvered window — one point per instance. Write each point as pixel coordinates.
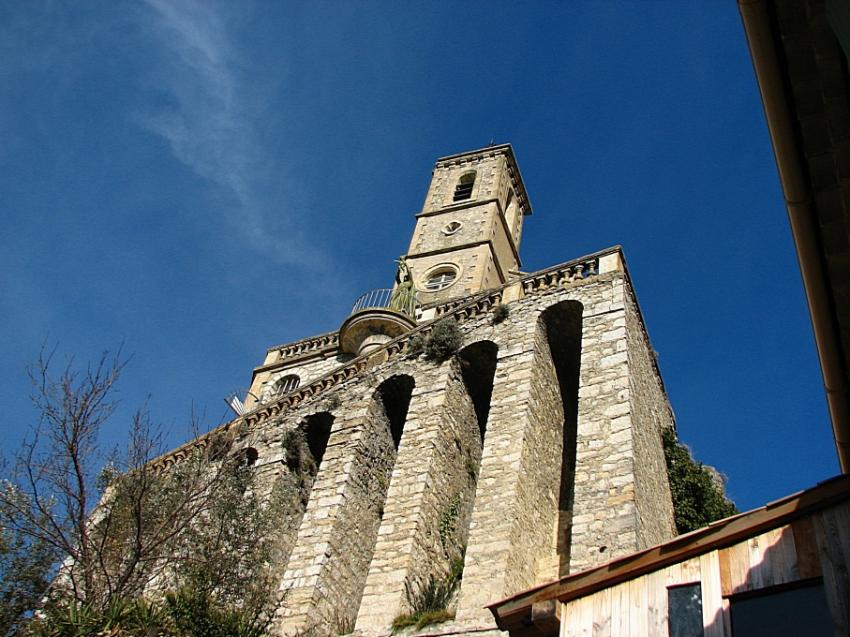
(463, 190)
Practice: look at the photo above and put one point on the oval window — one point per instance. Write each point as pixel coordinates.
(452, 227)
(440, 279)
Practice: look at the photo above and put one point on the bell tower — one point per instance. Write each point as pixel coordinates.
(468, 232)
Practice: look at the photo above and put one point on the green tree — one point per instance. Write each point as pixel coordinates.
(25, 570)
(698, 497)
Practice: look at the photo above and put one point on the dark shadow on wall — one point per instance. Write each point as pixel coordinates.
(394, 396)
(478, 368)
(562, 324)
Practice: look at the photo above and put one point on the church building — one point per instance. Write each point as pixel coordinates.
(471, 424)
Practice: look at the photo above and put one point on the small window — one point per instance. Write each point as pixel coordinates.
(440, 279)
(286, 384)
(452, 227)
(249, 457)
(685, 610)
(463, 190)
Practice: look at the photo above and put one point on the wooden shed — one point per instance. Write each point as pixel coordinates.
(780, 570)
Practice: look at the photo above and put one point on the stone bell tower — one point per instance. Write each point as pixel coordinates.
(467, 235)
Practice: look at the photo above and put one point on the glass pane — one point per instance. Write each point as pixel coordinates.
(440, 281)
(685, 608)
(799, 612)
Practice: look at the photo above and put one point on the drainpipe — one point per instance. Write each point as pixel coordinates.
(798, 201)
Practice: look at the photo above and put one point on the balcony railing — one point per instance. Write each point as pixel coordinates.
(400, 300)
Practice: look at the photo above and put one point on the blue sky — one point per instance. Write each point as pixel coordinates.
(203, 180)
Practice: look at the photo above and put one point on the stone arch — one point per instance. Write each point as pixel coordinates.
(478, 368)
(249, 456)
(477, 364)
(424, 536)
(317, 431)
(394, 397)
(368, 478)
(562, 326)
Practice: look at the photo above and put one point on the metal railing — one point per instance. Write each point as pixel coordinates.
(400, 300)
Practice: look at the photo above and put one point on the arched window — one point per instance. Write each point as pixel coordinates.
(440, 279)
(286, 384)
(463, 190)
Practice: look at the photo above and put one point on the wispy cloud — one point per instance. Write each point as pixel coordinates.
(209, 123)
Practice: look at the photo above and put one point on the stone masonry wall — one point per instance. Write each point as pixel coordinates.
(476, 271)
(430, 497)
(306, 371)
(374, 518)
(604, 509)
(650, 414)
(475, 226)
(542, 463)
(516, 499)
(324, 580)
(441, 192)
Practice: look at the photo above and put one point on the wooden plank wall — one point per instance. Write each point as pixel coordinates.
(813, 546)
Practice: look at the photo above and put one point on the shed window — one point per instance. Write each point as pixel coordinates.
(463, 190)
(286, 384)
(685, 610)
(783, 612)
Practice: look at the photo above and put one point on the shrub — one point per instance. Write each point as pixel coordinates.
(416, 345)
(500, 314)
(443, 341)
(698, 497)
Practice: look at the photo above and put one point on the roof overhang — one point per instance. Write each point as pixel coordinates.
(531, 613)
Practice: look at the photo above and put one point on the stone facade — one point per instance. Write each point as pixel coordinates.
(532, 452)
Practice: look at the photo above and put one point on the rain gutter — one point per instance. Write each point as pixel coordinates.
(799, 202)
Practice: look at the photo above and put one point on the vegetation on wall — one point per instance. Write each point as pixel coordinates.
(429, 603)
(444, 340)
(500, 313)
(698, 495)
(448, 523)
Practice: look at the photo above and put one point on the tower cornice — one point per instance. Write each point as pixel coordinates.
(493, 151)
